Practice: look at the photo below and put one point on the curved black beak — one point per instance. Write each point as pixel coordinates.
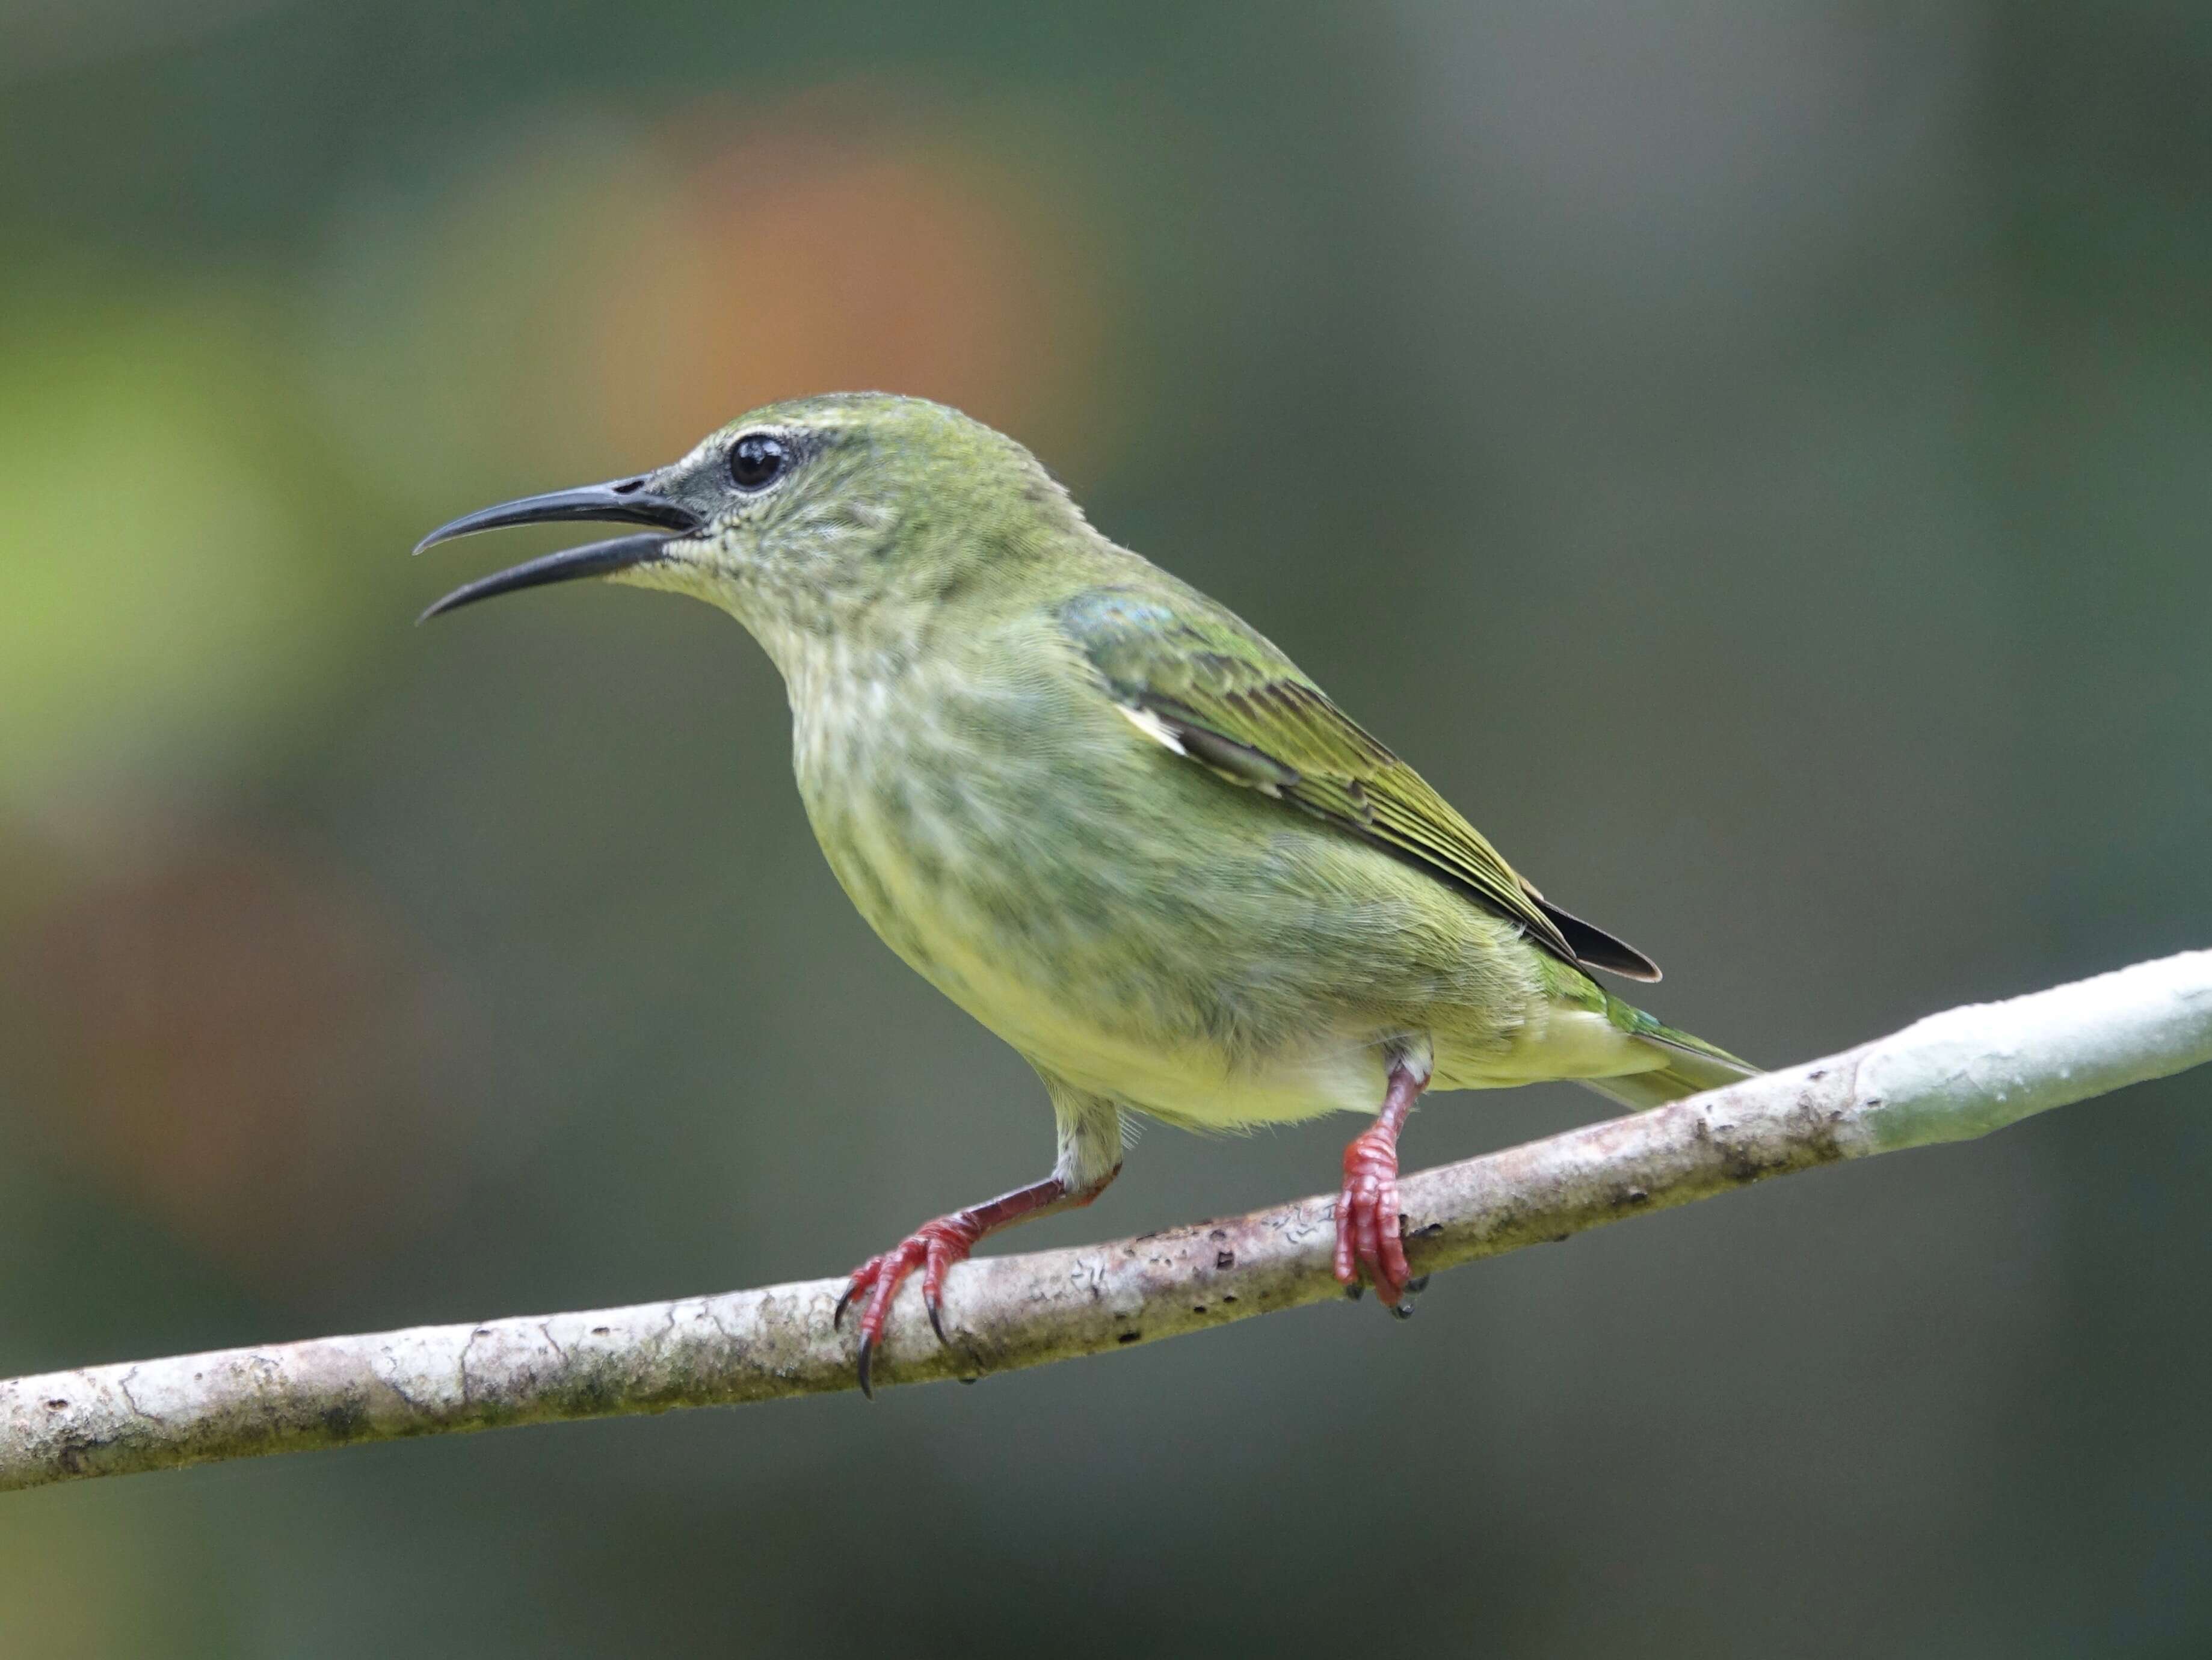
(625, 502)
(596, 559)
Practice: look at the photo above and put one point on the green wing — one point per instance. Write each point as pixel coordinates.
(1209, 687)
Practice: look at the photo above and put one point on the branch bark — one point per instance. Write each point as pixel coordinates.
(1949, 1077)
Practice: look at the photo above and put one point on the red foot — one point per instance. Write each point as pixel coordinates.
(933, 1247)
(1367, 1217)
(1369, 1228)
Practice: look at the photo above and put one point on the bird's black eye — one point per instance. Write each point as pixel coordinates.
(757, 460)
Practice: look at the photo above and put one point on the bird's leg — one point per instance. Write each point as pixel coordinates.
(1369, 1227)
(936, 1246)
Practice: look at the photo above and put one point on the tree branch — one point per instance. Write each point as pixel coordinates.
(1950, 1077)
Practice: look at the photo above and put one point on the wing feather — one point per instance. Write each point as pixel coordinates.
(1195, 679)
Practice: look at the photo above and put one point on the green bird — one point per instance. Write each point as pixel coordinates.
(1108, 818)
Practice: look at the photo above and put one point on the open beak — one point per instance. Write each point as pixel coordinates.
(627, 502)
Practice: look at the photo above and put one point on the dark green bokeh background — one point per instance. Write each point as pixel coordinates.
(1754, 458)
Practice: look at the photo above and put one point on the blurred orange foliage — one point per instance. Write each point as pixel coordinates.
(838, 245)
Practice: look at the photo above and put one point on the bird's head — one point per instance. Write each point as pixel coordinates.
(812, 520)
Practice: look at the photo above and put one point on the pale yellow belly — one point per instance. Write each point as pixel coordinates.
(1188, 1081)
(1066, 945)
(1197, 1084)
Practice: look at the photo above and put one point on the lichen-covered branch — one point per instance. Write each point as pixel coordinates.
(1949, 1077)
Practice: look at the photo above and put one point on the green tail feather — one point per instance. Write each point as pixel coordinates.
(1692, 1067)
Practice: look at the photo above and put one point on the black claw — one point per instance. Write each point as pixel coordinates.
(837, 1318)
(867, 1353)
(1417, 1285)
(936, 1325)
(1355, 1291)
(1402, 1309)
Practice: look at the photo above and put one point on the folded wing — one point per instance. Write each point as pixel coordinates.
(1196, 680)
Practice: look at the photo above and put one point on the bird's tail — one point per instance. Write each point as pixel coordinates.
(1689, 1066)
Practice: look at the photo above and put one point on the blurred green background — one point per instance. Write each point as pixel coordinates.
(1753, 457)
